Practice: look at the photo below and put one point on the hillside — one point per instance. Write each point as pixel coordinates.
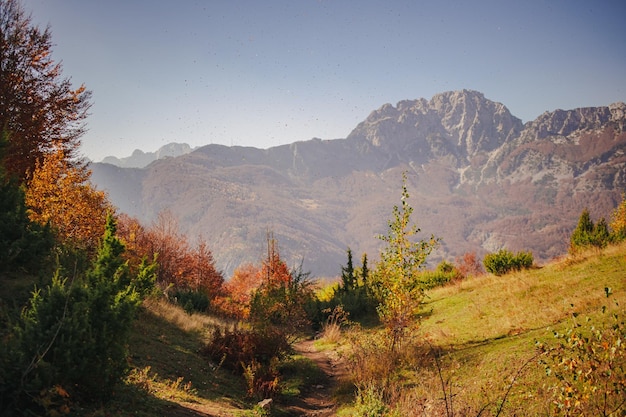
(478, 177)
(485, 327)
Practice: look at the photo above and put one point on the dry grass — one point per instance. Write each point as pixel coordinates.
(195, 322)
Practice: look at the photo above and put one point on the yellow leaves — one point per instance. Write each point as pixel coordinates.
(59, 194)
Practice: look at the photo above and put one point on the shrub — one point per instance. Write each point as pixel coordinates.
(445, 273)
(72, 337)
(253, 353)
(469, 265)
(192, 301)
(504, 261)
(589, 364)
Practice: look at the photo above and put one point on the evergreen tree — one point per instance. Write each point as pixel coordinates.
(364, 270)
(348, 280)
(587, 234)
(74, 333)
(583, 233)
(601, 233)
(23, 244)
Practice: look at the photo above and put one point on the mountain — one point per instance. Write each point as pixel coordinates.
(141, 159)
(478, 177)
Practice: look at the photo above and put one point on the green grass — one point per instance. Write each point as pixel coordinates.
(486, 328)
(169, 376)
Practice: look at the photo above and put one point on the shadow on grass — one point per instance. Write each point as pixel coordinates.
(168, 372)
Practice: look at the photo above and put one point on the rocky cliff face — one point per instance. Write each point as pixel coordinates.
(461, 124)
(478, 178)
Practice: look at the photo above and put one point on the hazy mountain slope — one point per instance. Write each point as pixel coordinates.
(140, 159)
(478, 178)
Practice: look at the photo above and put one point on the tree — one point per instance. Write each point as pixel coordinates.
(40, 109)
(587, 234)
(618, 220)
(239, 289)
(364, 270)
(23, 244)
(59, 194)
(584, 230)
(73, 335)
(396, 276)
(348, 279)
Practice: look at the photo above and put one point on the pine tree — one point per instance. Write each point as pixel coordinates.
(348, 279)
(583, 233)
(23, 244)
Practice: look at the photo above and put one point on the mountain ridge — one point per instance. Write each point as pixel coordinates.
(478, 177)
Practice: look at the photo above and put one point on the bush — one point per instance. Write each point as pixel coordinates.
(588, 364)
(253, 353)
(192, 301)
(445, 273)
(70, 341)
(504, 261)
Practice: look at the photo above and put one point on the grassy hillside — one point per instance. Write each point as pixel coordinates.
(484, 330)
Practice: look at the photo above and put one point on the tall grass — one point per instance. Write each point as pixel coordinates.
(194, 322)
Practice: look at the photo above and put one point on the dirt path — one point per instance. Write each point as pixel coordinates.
(318, 400)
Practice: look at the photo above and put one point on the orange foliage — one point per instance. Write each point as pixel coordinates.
(40, 110)
(180, 264)
(59, 193)
(469, 265)
(274, 270)
(238, 291)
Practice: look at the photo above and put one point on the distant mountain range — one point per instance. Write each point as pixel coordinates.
(478, 178)
(141, 159)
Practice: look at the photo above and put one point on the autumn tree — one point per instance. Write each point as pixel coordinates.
(38, 107)
(238, 291)
(618, 220)
(185, 267)
(396, 276)
(59, 194)
(279, 303)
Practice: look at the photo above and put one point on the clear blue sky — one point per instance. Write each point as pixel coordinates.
(266, 73)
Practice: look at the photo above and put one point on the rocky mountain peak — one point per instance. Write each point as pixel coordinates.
(459, 123)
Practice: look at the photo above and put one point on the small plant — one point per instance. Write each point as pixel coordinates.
(370, 402)
(504, 261)
(589, 364)
(337, 317)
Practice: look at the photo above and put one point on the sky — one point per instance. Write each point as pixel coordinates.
(268, 73)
